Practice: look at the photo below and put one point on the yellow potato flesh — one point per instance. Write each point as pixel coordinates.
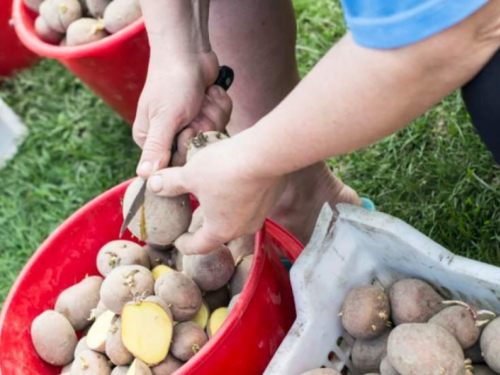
(146, 331)
(201, 317)
(216, 320)
(160, 270)
(96, 338)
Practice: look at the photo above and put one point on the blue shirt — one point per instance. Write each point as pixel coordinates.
(386, 24)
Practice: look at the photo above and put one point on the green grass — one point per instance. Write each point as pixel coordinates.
(435, 174)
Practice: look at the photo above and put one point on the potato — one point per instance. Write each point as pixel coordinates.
(83, 31)
(321, 371)
(67, 369)
(368, 354)
(217, 298)
(161, 256)
(34, 5)
(124, 284)
(160, 270)
(196, 220)
(98, 311)
(209, 271)
(81, 346)
(138, 367)
(201, 140)
(365, 312)
(460, 323)
(161, 220)
(96, 7)
(76, 303)
(233, 302)
(162, 304)
(483, 370)
(115, 350)
(120, 370)
(178, 260)
(414, 301)
(121, 13)
(90, 363)
(386, 368)
(45, 33)
(98, 333)
(216, 320)
(180, 293)
(59, 14)
(54, 338)
(121, 253)
(187, 340)
(474, 353)
(168, 366)
(417, 348)
(201, 317)
(490, 345)
(147, 331)
(241, 247)
(241, 275)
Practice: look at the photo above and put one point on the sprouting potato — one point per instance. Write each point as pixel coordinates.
(85, 30)
(121, 13)
(59, 14)
(121, 253)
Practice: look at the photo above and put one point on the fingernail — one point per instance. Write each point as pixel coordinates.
(146, 167)
(155, 183)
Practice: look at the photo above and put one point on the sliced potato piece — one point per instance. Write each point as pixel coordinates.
(160, 270)
(201, 317)
(138, 367)
(216, 320)
(96, 338)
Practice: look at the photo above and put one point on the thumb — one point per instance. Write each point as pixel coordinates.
(203, 241)
(168, 182)
(156, 151)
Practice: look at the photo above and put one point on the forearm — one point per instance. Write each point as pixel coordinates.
(177, 25)
(356, 96)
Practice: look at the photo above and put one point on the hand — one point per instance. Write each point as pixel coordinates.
(235, 202)
(173, 97)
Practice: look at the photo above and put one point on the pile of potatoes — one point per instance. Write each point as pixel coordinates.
(151, 311)
(412, 330)
(77, 22)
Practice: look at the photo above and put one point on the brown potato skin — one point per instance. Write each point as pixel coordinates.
(83, 31)
(90, 362)
(180, 293)
(186, 336)
(115, 350)
(159, 255)
(232, 303)
(120, 370)
(168, 366)
(418, 348)
(121, 253)
(365, 312)
(77, 302)
(386, 368)
(165, 218)
(241, 247)
(490, 345)
(59, 14)
(321, 371)
(141, 368)
(368, 354)
(458, 321)
(414, 301)
(161, 303)
(121, 13)
(123, 284)
(54, 338)
(241, 275)
(209, 271)
(81, 346)
(217, 298)
(46, 33)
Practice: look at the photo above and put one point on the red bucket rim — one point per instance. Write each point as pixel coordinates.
(29, 38)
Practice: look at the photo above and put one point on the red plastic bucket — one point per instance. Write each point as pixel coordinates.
(245, 343)
(115, 67)
(13, 55)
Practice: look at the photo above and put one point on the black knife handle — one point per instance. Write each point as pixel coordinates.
(225, 78)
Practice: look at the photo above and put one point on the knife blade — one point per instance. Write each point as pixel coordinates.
(225, 80)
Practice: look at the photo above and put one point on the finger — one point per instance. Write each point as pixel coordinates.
(179, 158)
(156, 151)
(203, 241)
(140, 127)
(168, 182)
(218, 107)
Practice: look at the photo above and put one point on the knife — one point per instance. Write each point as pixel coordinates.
(225, 80)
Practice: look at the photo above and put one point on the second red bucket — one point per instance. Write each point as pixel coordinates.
(115, 67)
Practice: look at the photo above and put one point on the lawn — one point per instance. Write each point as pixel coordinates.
(436, 174)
